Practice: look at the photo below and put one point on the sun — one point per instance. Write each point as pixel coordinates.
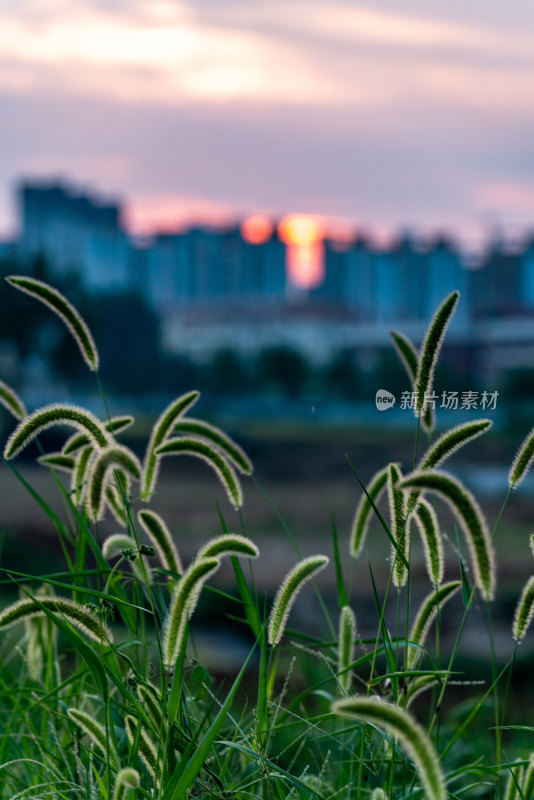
(257, 229)
(303, 236)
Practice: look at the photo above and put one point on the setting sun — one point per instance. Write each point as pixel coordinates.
(257, 229)
(303, 236)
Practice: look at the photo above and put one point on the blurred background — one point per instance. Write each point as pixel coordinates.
(244, 199)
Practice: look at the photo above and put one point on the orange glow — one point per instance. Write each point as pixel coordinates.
(257, 229)
(305, 252)
(150, 214)
(300, 230)
(305, 264)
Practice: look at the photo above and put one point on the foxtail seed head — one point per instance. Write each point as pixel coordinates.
(79, 475)
(411, 735)
(410, 358)
(57, 461)
(378, 794)
(64, 310)
(522, 461)
(113, 456)
(527, 787)
(75, 613)
(115, 545)
(427, 522)
(116, 504)
(301, 573)
(362, 517)
(162, 427)
(128, 778)
(231, 544)
(346, 636)
(515, 780)
(444, 447)
(10, 400)
(209, 433)
(430, 349)
(524, 611)
(96, 733)
(425, 617)
(115, 425)
(469, 515)
(151, 701)
(451, 441)
(161, 538)
(397, 515)
(194, 447)
(55, 414)
(147, 749)
(180, 609)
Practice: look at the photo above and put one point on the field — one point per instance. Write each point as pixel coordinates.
(312, 627)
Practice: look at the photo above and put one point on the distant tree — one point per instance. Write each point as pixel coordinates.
(226, 373)
(341, 377)
(125, 329)
(518, 385)
(284, 368)
(516, 391)
(127, 335)
(387, 373)
(179, 373)
(20, 319)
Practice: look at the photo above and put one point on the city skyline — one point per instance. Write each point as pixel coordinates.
(390, 118)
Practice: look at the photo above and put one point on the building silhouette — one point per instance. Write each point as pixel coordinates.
(211, 287)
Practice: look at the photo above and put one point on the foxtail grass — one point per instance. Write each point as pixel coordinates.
(75, 613)
(364, 511)
(522, 461)
(64, 310)
(397, 512)
(10, 400)
(427, 522)
(97, 734)
(471, 519)
(79, 440)
(410, 359)
(160, 432)
(410, 734)
(48, 416)
(120, 671)
(524, 611)
(161, 538)
(108, 459)
(430, 349)
(181, 607)
(194, 447)
(425, 617)
(147, 749)
(346, 637)
(128, 778)
(301, 573)
(186, 426)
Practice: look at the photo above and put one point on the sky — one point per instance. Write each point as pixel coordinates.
(385, 115)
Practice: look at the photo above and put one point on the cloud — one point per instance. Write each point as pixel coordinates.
(315, 54)
(160, 56)
(393, 113)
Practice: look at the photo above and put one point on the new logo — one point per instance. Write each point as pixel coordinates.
(384, 400)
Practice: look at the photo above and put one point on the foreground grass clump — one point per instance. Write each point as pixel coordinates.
(100, 697)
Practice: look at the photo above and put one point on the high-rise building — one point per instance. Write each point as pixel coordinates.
(74, 233)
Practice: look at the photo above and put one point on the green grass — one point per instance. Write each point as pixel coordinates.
(103, 693)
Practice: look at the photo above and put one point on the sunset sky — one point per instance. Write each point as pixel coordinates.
(387, 115)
